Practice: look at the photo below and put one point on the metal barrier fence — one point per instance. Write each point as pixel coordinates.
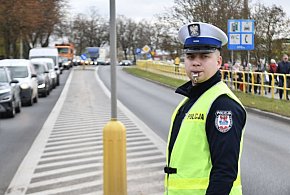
(245, 81)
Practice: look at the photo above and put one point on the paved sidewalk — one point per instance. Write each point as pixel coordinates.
(66, 157)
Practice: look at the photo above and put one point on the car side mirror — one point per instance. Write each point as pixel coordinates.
(33, 75)
(46, 71)
(14, 81)
(55, 68)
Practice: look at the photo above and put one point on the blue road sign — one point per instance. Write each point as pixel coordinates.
(138, 51)
(149, 56)
(241, 34)
(83, 56)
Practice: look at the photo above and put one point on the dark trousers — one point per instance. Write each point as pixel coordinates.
(176, 68)
(281, 84)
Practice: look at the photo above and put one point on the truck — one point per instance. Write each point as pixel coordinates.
(104, 58)
(66, 54)
(92, 52)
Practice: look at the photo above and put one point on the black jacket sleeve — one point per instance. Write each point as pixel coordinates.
(224, 146)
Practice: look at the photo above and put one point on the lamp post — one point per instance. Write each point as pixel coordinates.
(114, 132)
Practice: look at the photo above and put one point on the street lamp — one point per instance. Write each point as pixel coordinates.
(114, 132)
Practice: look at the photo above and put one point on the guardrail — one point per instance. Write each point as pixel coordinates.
(245, 81)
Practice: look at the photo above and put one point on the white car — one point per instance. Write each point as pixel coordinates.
(23, 71)
(47, 52)
(52, 72)
(125, 63)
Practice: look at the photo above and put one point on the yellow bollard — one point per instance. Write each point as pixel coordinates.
(114, 158)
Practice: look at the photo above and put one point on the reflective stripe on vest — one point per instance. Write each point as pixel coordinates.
(196, 183)
(190, 154)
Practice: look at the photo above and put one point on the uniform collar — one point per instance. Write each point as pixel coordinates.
(193, 91)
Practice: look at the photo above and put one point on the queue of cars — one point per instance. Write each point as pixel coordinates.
(22, 81)
(99, 61)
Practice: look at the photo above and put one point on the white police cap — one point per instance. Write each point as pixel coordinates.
(199, 37)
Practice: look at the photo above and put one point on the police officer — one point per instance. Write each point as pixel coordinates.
(205, 139)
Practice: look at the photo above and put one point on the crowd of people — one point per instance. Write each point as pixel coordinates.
(270, 76)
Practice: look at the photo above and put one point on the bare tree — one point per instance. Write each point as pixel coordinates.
(89, 31)
(125, 34)
(32, 21)
(216, 12)
(271, 25)
(97, 30)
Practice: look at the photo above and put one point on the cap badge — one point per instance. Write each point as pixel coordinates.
(194, 30)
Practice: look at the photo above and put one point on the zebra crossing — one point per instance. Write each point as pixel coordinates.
(70, 150)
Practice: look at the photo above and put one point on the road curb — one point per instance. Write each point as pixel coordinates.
(268, 114)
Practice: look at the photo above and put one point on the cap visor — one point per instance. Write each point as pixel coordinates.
(199, 50)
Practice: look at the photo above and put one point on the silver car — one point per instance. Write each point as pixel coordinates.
(23, 71)
(43, 78)
(52, 72)
(10, 102)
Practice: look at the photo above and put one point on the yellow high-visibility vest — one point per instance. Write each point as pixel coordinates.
(193, 167)
(177, 61)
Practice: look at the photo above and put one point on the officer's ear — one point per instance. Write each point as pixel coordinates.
(219, 58)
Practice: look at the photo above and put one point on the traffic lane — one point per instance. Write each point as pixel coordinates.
(17, 134)
(265, 167)
(154, 103)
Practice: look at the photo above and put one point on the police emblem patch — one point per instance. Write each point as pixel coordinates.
(223, 121)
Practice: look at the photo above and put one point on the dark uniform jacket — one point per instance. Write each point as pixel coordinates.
(283, 67)
(224, 147)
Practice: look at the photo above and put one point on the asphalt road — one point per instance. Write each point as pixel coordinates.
(265, 160)
(17, 134)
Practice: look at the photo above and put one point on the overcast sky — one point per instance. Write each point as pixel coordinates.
(139, 9)
(135, 9)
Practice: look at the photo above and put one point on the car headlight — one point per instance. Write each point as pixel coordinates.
(24, 86)
(52, 75)
(6, 96)
(41, 85)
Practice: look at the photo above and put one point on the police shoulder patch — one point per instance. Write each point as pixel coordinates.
(223, 121)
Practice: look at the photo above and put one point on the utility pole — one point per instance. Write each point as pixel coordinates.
(246, 15)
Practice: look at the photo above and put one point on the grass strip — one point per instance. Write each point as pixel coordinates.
(280, 107)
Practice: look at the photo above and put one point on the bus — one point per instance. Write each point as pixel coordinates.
(65, 53)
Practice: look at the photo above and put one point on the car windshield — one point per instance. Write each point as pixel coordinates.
(39, 68)
(63, 59)
(51, 57)
(3, 76)
(18, 71)
(62, 50)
